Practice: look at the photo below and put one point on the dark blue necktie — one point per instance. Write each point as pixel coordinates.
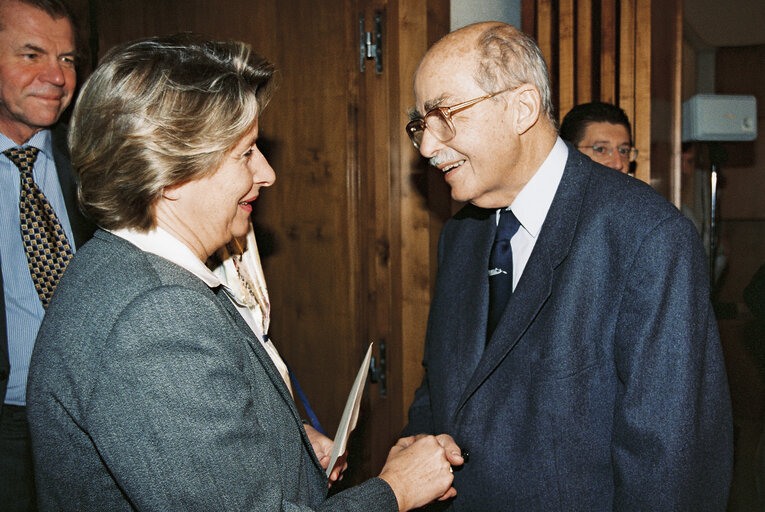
(501, 269)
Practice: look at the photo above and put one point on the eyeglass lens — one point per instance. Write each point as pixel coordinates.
(436, 122)
(626, 152)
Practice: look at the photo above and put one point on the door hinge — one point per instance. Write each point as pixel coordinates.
(377, 373)
(370, 48)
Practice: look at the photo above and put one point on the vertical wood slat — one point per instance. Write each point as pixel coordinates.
(608, 51)
(566, 64)
(677, 107)
(641, 123)
(528, 16)
(584, 56)
(544, 32)
(373, 174)
(626, 30)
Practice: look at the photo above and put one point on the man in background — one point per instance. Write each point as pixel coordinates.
(602, 132)
(572, 349)
(41, 224)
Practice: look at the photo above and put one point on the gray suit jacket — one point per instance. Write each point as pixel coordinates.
(149, 392)
(603, 386)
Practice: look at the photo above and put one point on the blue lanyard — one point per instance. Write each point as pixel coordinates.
(311, 415)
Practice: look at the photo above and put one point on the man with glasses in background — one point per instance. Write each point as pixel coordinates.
(572, 350)
(602, 132)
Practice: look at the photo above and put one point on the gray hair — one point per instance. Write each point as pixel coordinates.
(508, 58)
(159, 112)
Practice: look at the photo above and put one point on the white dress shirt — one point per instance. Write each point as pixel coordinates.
(531, 205)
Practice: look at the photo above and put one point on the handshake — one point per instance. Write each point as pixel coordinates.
(418, 468)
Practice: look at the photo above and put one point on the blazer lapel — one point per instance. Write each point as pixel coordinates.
(535, 285)
(268, 365)
(257, 347)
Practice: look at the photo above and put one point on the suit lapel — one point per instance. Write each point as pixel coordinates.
(535, 285)
(461, 297)
(257, 347)
(268, 365)
(470, 332)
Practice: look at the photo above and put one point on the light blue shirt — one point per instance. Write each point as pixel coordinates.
(23, 309)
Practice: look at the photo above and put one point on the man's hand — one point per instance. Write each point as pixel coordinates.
(418, 469)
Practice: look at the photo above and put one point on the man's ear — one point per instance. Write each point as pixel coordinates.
(528, 107)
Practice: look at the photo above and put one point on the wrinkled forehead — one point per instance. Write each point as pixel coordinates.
(445, 75)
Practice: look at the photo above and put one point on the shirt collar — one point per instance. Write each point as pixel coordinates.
(163, 244)
(533, 202)
(40, 140)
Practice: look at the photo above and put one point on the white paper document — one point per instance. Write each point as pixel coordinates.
(351, 412)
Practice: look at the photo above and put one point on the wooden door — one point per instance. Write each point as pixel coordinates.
(347, 232)
(404, 205)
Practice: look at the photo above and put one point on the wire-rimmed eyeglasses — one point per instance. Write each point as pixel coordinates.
(439, 120)
(627, 153)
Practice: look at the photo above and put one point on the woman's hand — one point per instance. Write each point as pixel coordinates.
(322, 446)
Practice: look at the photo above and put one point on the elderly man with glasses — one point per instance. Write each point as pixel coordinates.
(572, 350)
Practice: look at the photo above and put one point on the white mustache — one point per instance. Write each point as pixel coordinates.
(446, 155)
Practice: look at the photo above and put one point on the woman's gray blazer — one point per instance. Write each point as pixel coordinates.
(147, 391)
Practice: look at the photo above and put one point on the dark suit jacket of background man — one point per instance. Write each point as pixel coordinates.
(81, 228)
(603, 386)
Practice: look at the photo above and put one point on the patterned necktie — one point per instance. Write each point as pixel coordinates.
(48, 250)
(501, 269)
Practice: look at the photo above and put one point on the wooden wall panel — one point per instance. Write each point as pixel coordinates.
(377, 243)
(402, 209)
(544, 35)
(529, 16)
(627, 58)
(625, 52)
(425, 199)
(663, 92)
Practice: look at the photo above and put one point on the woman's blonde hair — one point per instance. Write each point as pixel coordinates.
(159, 112)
